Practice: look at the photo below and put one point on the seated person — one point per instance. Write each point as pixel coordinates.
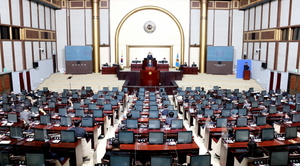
(25, 115)
(105, 65)
(79, 132)
(115, 151)
(252, 151)
(165, 111)
(135, 61)
(169, 118)
(128, 116)
(150, 64)
(194, 64)
(46, 149)
(164, 61)
(246, 66)
(149, 56)
(185, 64)
(186, 100)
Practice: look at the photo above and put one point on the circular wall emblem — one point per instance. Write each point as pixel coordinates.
(149, 26)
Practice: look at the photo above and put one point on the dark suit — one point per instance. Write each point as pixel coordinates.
(194, 65)
(79, 132)
(149, 56)
(246, 67)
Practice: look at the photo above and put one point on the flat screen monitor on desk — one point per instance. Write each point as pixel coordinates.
(214, 107)
(5, 107)
(291, 132)
(272, 109)
(65, 121)
(153, 114)
(34, 110)
(138, 107)
(176, 123)
(35, 159)
(153, 102)
(139, 102)
(203, 160)
(40, 134)
(161, 160)
(267, 134)
(117, 160)
(184, 137)
(241, 100)
(254, 104)
(135, 113)
(279, 158)
(242, 135)
(97, 113)
(131, 123)
(11, 117)
(242, 112)
(62, 111)
(87, 122)
(154, 124)
(153, 107)
(208, 113)
(241, 122)
(126, 137)
(45, 119)
(107, 107)
(156, 138)
(297, 108)
(51, 104)
(261, 120)
(226, 113)
(77, 106)
(286, 108)
(15, 132)
(67, 136)
(4, 158)
(92, 106)
(296, 118)
(222, 122)
(79, 113)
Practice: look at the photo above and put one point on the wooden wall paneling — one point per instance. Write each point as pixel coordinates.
(28, 81)
(1, 85)
(22, 86)
(7, 83)
(278, 82)
(271, 81)
(292, 83)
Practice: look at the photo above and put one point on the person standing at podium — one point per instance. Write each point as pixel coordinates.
(149, 56)
(246, 66)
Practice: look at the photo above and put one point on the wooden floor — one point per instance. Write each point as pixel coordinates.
(58, 81)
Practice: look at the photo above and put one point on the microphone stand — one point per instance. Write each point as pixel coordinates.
(69, 78)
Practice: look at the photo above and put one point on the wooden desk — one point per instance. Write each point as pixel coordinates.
(145, 131)
(71, 150)
(163, 67)
(136, 66)
(109, 70)
(209, 132)
(90, 130)
(228, 150)
(190, 70)
(145, 150)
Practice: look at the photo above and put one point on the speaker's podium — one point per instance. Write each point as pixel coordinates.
(246, 75)
(149, 76)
